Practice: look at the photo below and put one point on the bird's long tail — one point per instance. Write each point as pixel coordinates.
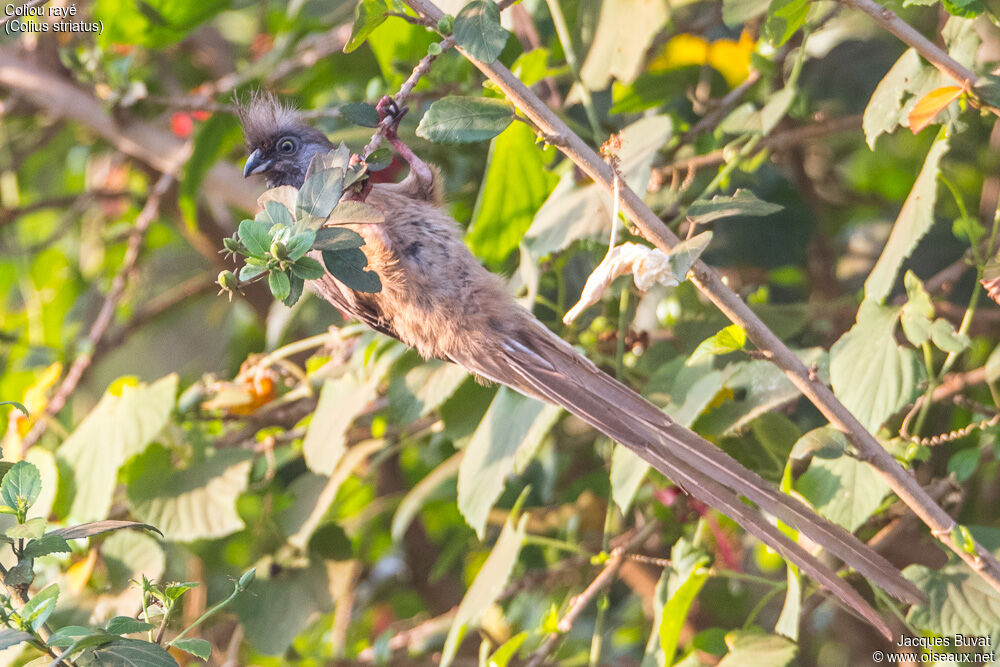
(538, 363)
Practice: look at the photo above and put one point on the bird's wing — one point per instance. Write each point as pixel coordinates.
(540, 364)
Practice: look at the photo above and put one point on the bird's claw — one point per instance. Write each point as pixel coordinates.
(389, 111)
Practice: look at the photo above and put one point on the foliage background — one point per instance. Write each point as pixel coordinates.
(365, 484)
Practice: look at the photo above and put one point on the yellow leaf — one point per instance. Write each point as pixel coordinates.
(681, 50)
(931, 105)
(78, 574)
(732, 59)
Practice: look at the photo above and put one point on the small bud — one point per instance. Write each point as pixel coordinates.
(246, 579)
(278, 250)
(233, 245)
(445, 24)
(228, 281)
(434, 48)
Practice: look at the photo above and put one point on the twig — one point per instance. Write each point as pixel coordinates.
(710, 283)
(776, 142)
(106, 314)
(580, 602)
(10, 17)
(931, 52)
(9, 215)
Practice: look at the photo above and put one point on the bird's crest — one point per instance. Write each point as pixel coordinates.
(263, 117)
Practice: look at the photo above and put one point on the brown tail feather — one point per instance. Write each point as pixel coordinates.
(540, 364)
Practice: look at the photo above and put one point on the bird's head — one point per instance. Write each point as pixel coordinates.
(281, 145)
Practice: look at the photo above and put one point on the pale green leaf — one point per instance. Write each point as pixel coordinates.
(622, 36)
(958, 601)
(511, 431)
(353, 212)
(755, 649)
(21, 486)
(486, 587)
(914, 221)
(870, 374)
(627, 473)
(844, 490)
(133, 653)
(118, 428)
(130, 555)
(255, 236)
(884, 109)
(741, 203)
(337, 238)
(40, 607)
(196, 503)
(282, 606)
(200, 648)
(917, 311)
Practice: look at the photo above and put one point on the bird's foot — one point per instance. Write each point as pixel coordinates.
(390, 113)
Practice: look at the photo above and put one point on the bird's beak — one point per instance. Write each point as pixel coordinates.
(256, 164)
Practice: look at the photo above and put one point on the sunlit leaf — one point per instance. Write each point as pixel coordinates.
(478, 31)
(741, 203)
(930, 105)
(843, 489)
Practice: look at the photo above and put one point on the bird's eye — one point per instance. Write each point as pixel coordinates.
(287, 145)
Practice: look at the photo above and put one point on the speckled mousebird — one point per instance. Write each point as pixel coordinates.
(437, 298)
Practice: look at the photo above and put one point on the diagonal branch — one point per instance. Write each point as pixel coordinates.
(902, 482)
(106, 314)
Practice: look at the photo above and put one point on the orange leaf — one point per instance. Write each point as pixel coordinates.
(931, 105)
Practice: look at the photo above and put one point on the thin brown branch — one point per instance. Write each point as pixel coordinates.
(9, 215)
(776, 142)
(580, 602)
(106, 314)
(930, 51)
(711, 285)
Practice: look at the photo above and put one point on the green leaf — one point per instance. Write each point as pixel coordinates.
(748, 648)
(347, 266)
(917, 311)
(129, 556)
(329, 541)
(45, 545)
(282, 605)
(337, 238)
(478, 31)
(514, 187)
(340, 402)
(10, 637)
(730, 339)
(92, 528)
(459, 120)
(368, 15)
(872, 375)
(685, 581)
(360, 113)
(622, 35)
(66, 635)
(947, 339)
(914, 221)
(133, 653)
(21, 574)
(279, 283)
(29, 530)
(686, 253)
(17, 405)
(486, 587)
(844, 490)
(958, 601)
(885, 108)
(504, 441)
(296, 286)
(627, 473)
(196, 503)
(300, 244)
(741, 203)
(174, 591)
(21, 486)
(126, 625)
(40, 607)
(308, 268)
(256, 237)
(825, 442)
(353, 212)
(250, 271)
(963, 463)
(199, 648)
(379, 160)
(503, 655)
(319, 193)
(784, 18)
